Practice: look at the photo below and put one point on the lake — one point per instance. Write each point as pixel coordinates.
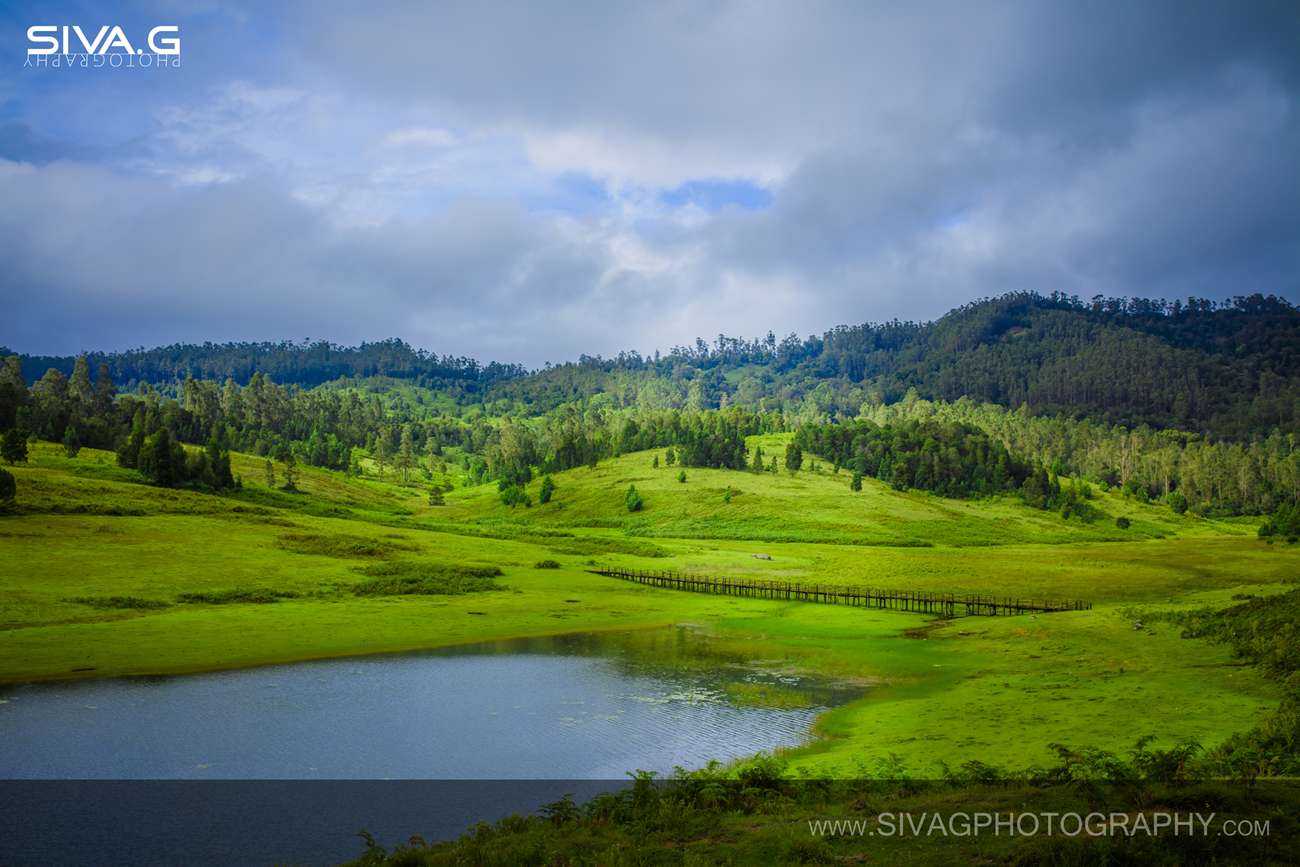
(590, 706)
(531, 718)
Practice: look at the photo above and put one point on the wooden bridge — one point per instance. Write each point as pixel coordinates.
(919, 601)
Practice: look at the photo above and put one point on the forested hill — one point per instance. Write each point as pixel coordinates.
(306, 364)
(1228, 369)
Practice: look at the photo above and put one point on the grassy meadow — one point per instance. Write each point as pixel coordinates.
(101, 575)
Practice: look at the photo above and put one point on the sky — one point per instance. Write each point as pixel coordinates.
(528, 182)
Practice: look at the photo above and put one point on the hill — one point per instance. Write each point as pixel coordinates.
(1224, 369)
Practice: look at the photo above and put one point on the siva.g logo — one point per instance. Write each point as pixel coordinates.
(70, 45)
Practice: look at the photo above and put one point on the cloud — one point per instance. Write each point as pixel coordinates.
(529, 183)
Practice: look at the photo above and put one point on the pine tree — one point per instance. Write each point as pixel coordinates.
(548, 488)
(270, 473)
(757, 464)
(793, 458)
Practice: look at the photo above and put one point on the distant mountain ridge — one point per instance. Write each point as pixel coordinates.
(1230, 369)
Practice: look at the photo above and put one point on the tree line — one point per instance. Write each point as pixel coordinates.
(1188, 471)
(1229, 370)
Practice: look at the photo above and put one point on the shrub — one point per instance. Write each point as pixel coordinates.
(855, 484)
(1122, 522)
(681, 477)
(1284, 522)
(8, 487)
(513, 495)
(426, 579)
(548, 489)
(251, 595)
(340, 545)
(546, 564)
(1177, 502)
(632, 499)
(135, 602)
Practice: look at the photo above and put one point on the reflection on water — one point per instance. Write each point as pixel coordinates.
(589, 706)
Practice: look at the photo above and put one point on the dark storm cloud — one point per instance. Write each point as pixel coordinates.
(410, 170)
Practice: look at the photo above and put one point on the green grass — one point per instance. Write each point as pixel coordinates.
(997, 690)
(815, 507)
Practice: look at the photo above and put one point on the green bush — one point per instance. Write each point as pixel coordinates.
(1122, 522)
(426, 579)
(135, 602)
(546, 564)
(513, 495)
(1285, 522)
(250, 595)
(632, 499)
(341, 545)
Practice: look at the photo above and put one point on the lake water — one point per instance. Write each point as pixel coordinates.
(590, 706)
(280, 764)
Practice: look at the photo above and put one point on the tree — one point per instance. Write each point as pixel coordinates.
(13, 391)
(793, 458)
(161, 461)
(290, 473)
(1177, 502)
(13, 448)
(757, 464)
(656, 462)
(270, 473)
(670, 457)
(548, 488)
(102, 402)
(219, 463)
(855, 484)
(79, 387)
(681, 477)
(406, 453)
(71, 441)
(435, 496)
(383, 450)
(8, 488)
(632, 499)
